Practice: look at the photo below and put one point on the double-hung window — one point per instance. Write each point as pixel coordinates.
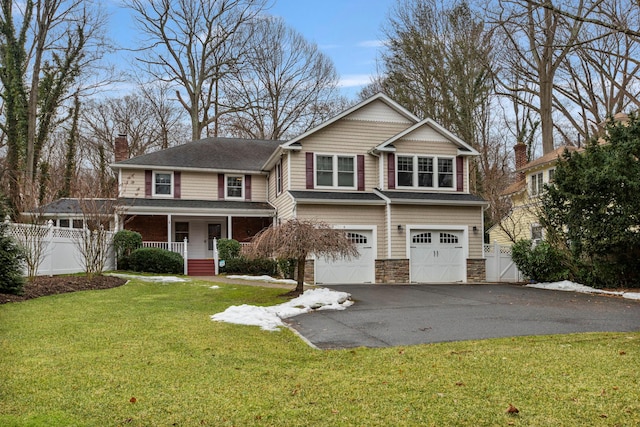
(445, 173)
(335, 171)
(234, 187)
(425, 172)
(537, 183)
(162, 185)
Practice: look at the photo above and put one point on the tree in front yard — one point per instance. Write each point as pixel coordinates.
(297, 239)
(592, 209)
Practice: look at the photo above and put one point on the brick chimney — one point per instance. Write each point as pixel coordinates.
(520, 150)
(121, 148)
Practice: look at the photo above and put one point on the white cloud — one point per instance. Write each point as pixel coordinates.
(372, 43)
(354, 80)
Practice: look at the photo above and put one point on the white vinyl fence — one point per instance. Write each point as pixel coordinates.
(499, 265)
(58, 247)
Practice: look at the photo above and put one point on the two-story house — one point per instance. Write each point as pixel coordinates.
(521, 222)
(399, 187)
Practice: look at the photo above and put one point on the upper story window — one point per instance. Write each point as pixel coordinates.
(234, 187)
(537, 183)
(278, 177)
(335, 171)
(162, 184)
(419, 172)
(552, 174)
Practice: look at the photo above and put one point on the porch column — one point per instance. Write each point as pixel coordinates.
(229, 227)
(169, 231)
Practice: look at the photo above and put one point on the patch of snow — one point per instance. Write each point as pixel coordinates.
(214, 287)
(161, 279)
(270, 318)
(577, 287)
(264, 279)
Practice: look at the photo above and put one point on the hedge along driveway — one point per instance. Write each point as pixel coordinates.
(393, 315)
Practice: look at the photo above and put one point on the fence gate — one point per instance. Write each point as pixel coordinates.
(499, 265)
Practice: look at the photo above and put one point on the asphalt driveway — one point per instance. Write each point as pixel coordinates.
(395, 315)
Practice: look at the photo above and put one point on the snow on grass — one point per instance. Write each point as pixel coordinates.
(263, 279)
(270, 318)
(161, 279)
(576, 287)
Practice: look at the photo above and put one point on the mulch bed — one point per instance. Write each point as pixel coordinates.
(43, 286)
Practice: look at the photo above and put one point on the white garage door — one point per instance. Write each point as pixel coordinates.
(437, 256)
(355, 270)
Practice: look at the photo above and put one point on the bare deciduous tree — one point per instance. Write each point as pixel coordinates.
(536, 41)
(193, 44)
(287, 83)
(297, 239)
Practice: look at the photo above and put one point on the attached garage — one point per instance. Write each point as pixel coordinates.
(437, 256)
(354, 270)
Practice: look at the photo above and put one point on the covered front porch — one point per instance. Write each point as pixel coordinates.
(199, 228)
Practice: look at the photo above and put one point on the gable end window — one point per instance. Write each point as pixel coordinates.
(234, 187)
(335, 171)
(162, 184)
(421, 172)
(537, 183)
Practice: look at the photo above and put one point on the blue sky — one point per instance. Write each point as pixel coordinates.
(348, 31)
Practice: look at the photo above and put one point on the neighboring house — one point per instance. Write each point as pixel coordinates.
(397, 185)
(522, 222)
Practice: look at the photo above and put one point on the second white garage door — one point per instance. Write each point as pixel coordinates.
(355, 270)
(437, 256)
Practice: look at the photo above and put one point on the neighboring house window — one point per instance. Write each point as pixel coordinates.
(335, 171)
(552, 174)
(162, 184)
(78, 223)
(182, 231)
(234, 187)
(278, 177)
(419, 172)
(536, 232)
(63, 223)
(536, 184)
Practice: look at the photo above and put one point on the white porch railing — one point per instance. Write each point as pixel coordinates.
(177, 247)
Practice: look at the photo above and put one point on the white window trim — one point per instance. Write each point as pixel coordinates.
(171, 184)
(435, 159)
(226, 187)
(335, 171)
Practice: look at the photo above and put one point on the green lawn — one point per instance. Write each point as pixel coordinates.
(147, 354)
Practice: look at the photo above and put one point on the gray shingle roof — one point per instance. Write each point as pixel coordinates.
(210, 153)
(72, 206)
(328, 196)
(193, 204)
(459, 198)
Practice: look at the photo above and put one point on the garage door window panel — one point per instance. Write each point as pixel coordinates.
(422, 238)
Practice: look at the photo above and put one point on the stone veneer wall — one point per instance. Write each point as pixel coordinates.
(476, 270)
(392, 271)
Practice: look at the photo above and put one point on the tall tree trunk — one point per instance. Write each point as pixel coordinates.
(301, 264)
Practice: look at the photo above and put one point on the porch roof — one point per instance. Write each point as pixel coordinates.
(341, 197)
(410, 197)
(195, 207)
